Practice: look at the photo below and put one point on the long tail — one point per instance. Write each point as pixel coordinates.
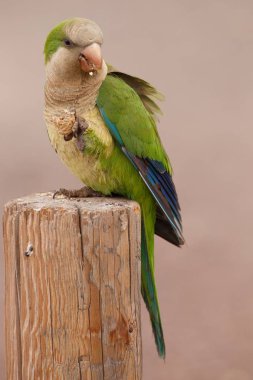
(148, 288)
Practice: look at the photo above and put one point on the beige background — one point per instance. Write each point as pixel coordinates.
(199, 53)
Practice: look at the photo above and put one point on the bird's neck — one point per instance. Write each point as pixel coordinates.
(77, 96)
(78, 92)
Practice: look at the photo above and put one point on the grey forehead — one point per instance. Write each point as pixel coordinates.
(84, 32)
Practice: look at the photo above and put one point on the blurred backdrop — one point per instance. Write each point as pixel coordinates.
(199, 53)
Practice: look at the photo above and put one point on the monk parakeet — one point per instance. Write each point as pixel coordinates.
(102, 124)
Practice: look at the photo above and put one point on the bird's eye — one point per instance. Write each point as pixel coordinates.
(67, 42)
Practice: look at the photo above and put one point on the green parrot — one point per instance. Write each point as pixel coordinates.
(102, 124)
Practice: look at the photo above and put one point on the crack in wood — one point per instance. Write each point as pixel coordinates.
(73, 308)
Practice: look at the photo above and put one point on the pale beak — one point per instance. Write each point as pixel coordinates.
(91, 58)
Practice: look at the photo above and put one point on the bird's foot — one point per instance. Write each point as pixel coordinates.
(84, 192)
(78, 129)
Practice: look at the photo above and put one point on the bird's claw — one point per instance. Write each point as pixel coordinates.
(60, 192)
(79, 127)
(84, 192)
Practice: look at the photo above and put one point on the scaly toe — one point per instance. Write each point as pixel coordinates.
(84, 192)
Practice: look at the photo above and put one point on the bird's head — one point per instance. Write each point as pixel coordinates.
(73, 52)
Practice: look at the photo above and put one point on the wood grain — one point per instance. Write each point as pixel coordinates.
(72, 270)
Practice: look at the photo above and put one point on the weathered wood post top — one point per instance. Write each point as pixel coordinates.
(72, 270)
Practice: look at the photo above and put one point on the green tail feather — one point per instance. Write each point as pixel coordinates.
(149, 294)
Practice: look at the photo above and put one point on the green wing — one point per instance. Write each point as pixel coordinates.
(147, 93)
(125, 109)
(134, 128)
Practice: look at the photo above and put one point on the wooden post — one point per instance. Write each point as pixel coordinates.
(72, 270)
